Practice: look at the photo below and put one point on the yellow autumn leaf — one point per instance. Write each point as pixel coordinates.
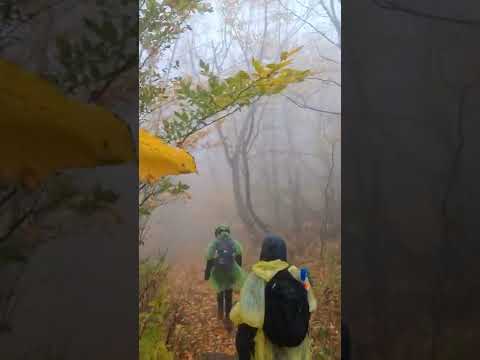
(43, 131)
(157, 159)
(260, 69)
(286, 54)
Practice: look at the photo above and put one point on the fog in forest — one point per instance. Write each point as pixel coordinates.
(274, 166)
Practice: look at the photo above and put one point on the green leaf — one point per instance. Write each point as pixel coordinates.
(258, 66)
(243, 75)
(144, 211)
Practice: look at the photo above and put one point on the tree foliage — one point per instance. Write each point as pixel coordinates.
(104, 52)
(198, 105)
(160, 24)
(202, 105)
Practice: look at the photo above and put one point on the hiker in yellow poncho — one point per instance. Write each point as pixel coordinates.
(273, 312)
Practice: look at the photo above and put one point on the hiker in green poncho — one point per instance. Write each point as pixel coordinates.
(223, 270)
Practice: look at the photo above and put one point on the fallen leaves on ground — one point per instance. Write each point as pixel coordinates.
(198, 331)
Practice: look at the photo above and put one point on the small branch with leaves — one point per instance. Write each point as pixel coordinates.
(224, 97)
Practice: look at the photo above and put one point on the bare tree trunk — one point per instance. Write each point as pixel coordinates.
(327, 212)
(293, 178)
(275, 181)
(192, 57)
(172, 58)
(248, 197)
(333, 16)
(239, 161)
(242, 209)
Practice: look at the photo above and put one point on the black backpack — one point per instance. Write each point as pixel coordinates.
(287, 313)
(225, 255)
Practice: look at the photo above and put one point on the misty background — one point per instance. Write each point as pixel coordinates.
(275, 166)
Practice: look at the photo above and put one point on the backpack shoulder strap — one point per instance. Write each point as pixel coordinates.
(295, 272)
(282, 274)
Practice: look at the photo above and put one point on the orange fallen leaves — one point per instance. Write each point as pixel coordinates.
(201, 333)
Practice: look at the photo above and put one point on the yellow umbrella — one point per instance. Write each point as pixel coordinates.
(158, 159)
(43, 131)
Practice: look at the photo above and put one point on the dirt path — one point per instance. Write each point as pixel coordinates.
(198, 334)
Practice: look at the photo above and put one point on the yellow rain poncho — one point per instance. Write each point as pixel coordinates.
(158, 159)
(250, 310)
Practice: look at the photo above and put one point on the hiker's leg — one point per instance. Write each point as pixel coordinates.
(220, 304)
(228, 307)
(245, 342)
(228, 302)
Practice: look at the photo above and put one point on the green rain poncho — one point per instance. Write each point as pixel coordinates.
(250, 310)
(219, 280)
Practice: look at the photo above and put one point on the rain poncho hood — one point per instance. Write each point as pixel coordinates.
(273, 248)
(220, 280)
(220, 229)
(266, 270)
(250, 309)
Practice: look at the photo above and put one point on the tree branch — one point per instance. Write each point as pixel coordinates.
(7, 197)
(317, 30)
(327, 81)
(29, 17)
(205, 125)
(114, 75)
(390, 5)
(19, 222)
(308, 107)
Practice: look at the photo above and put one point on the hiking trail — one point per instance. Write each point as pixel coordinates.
(198, 333)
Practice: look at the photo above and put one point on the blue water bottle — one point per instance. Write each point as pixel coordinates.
(304, 277)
